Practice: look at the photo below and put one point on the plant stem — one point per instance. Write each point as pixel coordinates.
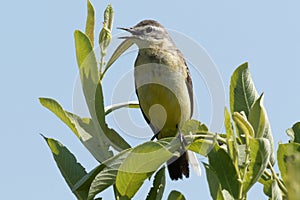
(279, 181)
(246, 165)
(102, 73)
(102, 63)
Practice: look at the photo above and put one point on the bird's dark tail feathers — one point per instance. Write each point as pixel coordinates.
(179, 166)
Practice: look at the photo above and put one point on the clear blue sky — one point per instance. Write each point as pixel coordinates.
(38, 59)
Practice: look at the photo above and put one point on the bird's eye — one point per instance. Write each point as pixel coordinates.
(149, 29)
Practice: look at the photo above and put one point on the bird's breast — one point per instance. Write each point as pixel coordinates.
(163, 95)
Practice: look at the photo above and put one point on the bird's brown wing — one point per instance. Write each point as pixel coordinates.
(189, 83)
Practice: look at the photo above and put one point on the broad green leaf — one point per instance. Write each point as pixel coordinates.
(88, 69)
(112, 137)
(85, 182)
(288, 156)
(107, 176)
(276, 192)
(198, 145)
(226, 172)
(296, 129)
(87, 64)
(260, 152)
(102, 176)
(175, 195)
(71, 170)
(83, 128)
(129, 104)
(117, 194)
(159, 182)
(193, 126)
(259, 120)
(90, 137)
(92, 89)
(117, 53)
(90, 22)
(294, 133)
(139, 165)
(172, 144)
(54, 107)
(242, 90)
(214, 183)
(201, 146)
(231, 140)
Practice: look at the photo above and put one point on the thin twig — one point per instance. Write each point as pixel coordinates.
(279, 181)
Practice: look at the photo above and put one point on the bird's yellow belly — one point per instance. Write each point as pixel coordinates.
(163, 97)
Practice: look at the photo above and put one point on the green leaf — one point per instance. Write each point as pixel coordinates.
(157, 190)
(198, 145)
(139, 165)
(231, 140)
(88, 69)
(288, 156)
(294, 133)
(117, 53)
(83, 128)
(107, 176)
(226, 172)
(296, 129)
(117, 194)
(92, 89)
(260, 152)
(89, 136)
(90, 22)
(193, 126)
(214, 183)
(54, 107)
(102, 176)
(201, 146)
(113, 138)
(71, 170)
(242, 90)
(175, 195)
(259, 120)
(243, 124)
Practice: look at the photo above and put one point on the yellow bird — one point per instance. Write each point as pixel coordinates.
(163, 86)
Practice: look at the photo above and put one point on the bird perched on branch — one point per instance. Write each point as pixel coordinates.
(163, 86)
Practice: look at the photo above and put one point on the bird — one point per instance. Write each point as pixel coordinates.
(163, 86)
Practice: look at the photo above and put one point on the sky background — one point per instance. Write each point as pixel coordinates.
(38, 59)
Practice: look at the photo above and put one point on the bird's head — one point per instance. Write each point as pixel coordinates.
(148, 33)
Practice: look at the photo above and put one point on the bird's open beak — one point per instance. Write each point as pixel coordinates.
(133, 32)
